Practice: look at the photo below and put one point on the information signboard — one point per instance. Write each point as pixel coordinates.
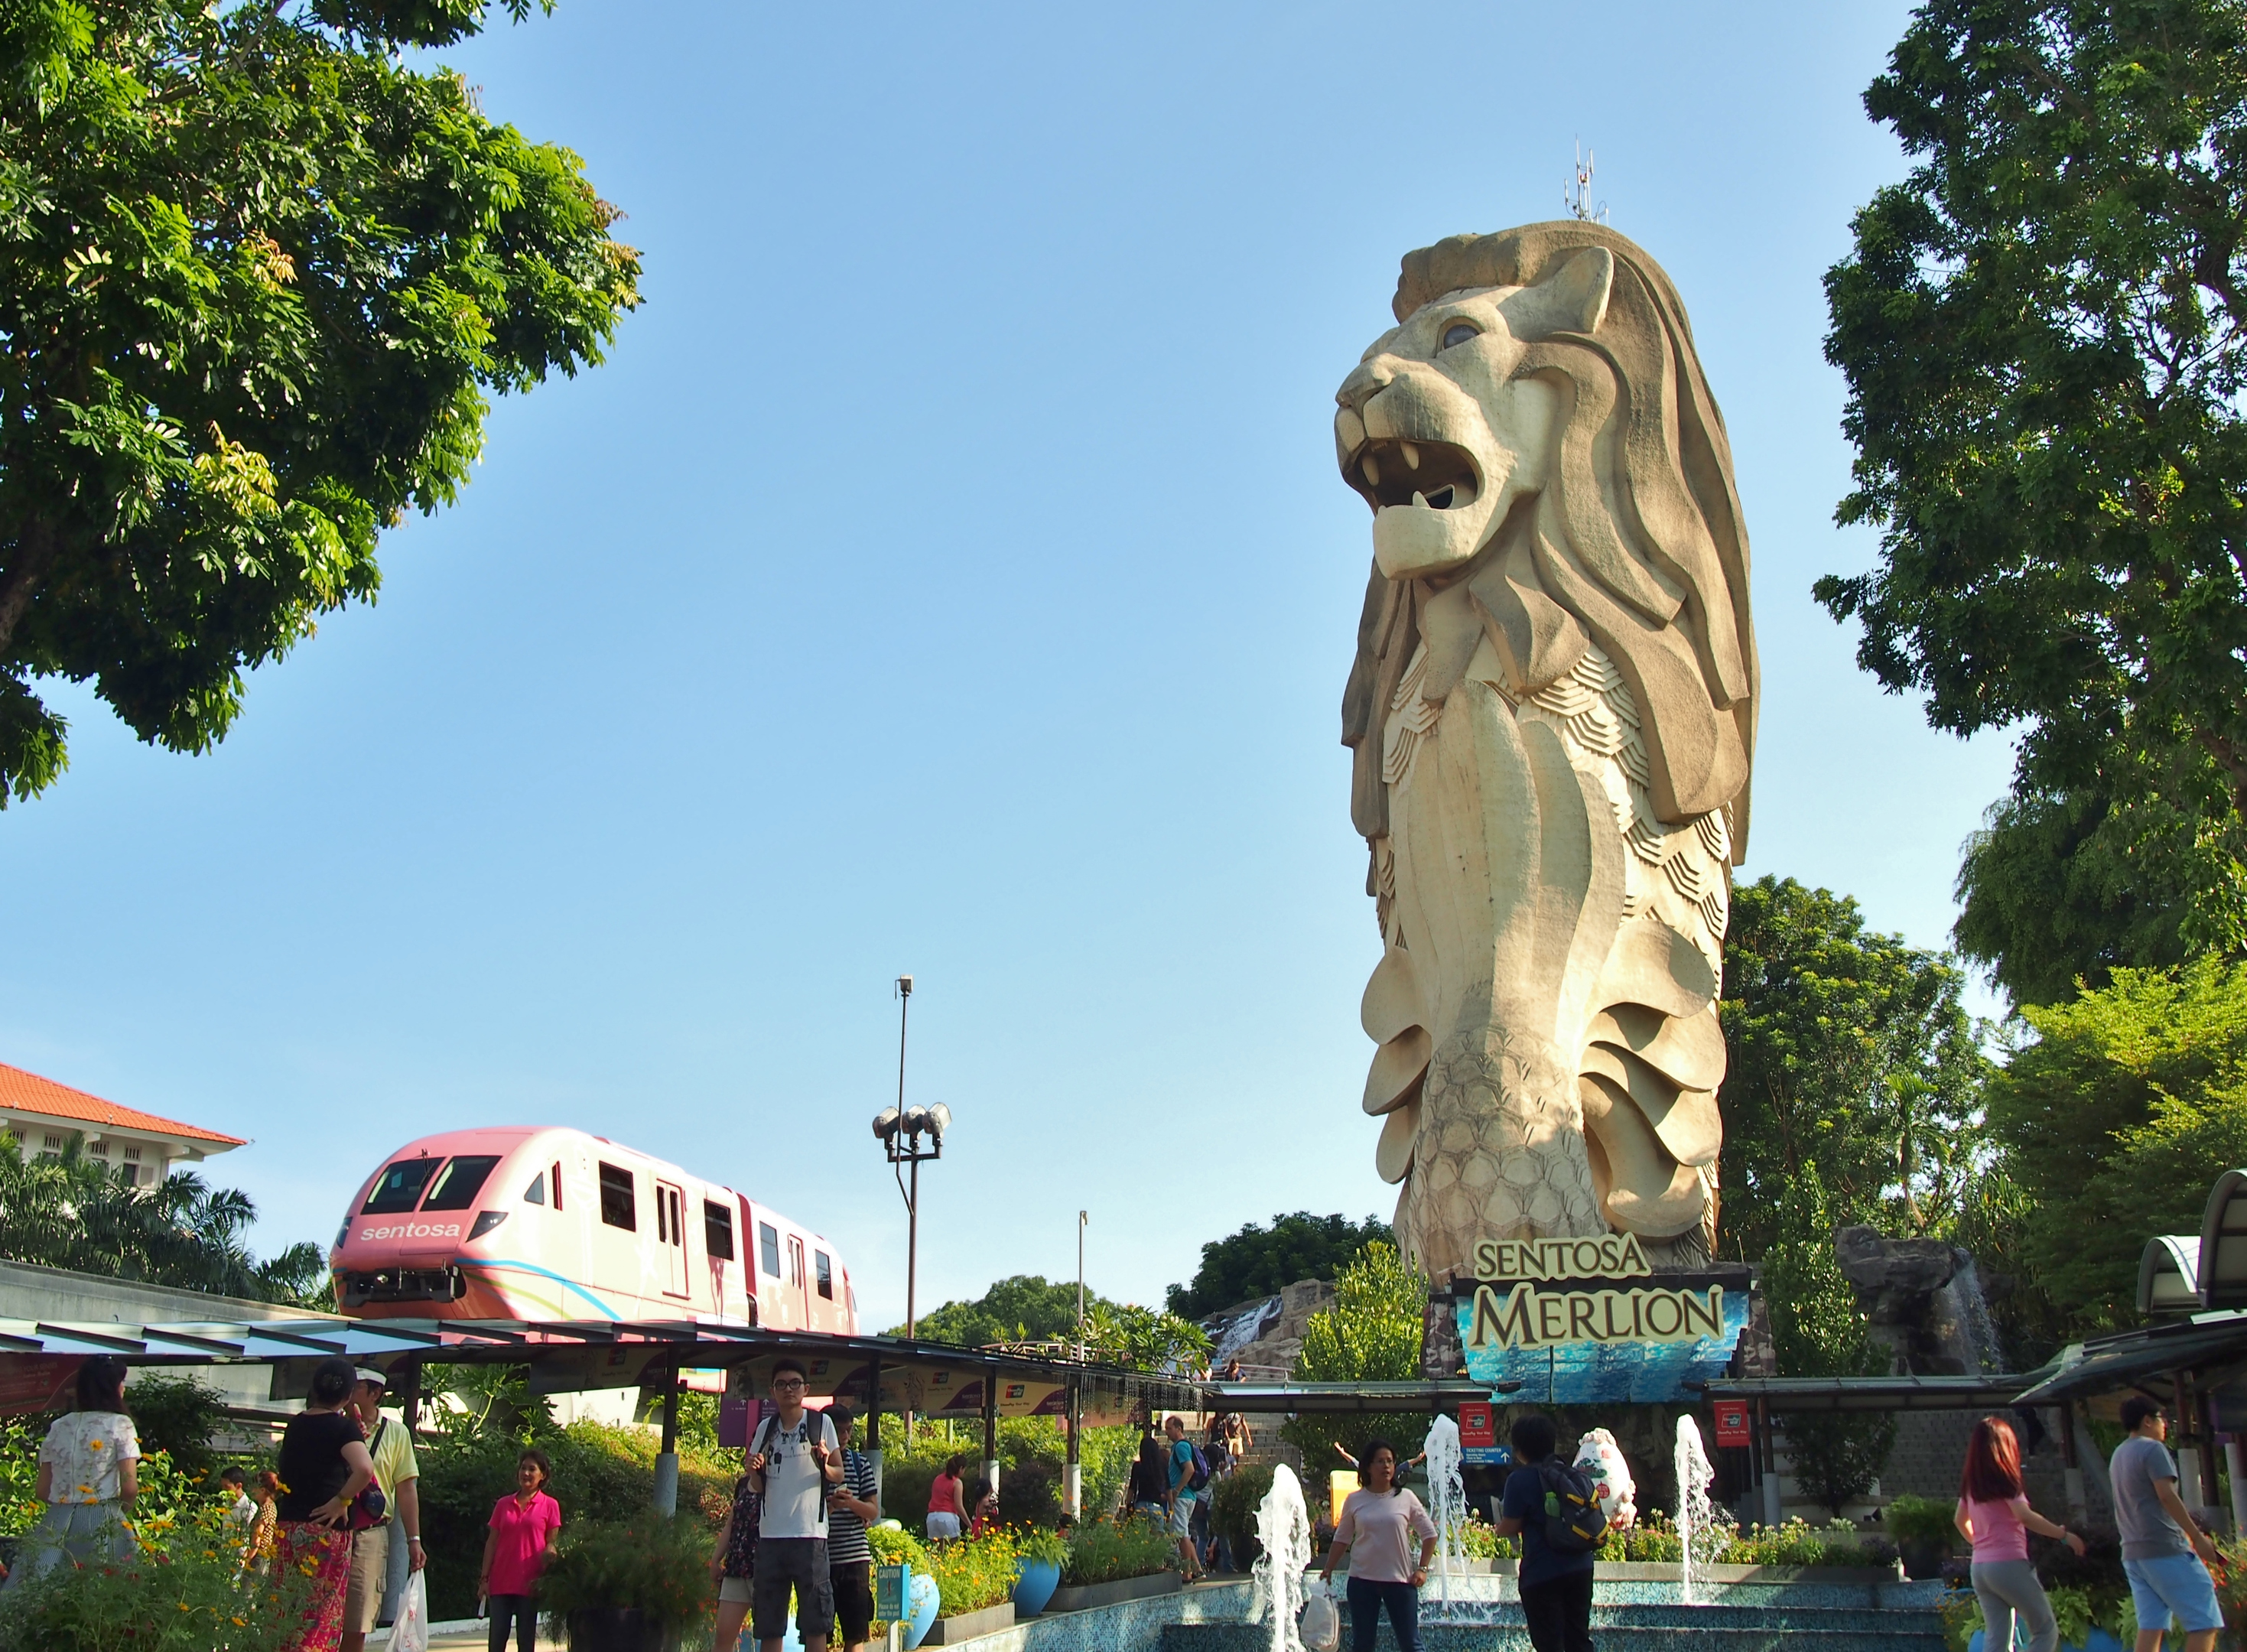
(1732, 1422)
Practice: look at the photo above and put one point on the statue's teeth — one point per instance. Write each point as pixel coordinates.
(1419, 499)
(1412, 455)
(1372, 472)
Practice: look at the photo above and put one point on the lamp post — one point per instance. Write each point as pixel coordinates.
(900, 1130)
(1073, 1475)
(1082, 1218)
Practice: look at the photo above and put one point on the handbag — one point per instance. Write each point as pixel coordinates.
(1320, 1625)
(369, 1507)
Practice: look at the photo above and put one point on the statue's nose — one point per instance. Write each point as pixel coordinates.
(1368, 381)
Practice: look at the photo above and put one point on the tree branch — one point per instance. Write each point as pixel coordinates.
(35, 550)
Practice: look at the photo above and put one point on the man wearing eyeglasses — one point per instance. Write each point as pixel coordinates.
(795, 1455)
(2165, 1554)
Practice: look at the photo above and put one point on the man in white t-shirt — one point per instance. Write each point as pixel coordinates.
(795, 1453)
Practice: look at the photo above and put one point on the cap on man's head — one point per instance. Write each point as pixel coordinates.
(368, 1373)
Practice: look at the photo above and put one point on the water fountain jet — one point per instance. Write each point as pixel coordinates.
(1283, 1527)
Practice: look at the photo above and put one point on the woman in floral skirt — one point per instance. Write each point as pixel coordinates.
(323, 1465)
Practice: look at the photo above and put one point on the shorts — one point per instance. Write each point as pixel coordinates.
(800, 1564)
(1182, 1508)
(370, 1579)
(2173, 1583)
(943, 1525)
(741, 1591)
(854, 1600)
(1154, 1512)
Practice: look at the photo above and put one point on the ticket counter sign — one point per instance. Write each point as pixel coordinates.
(1733, 1424)
(1578, 1320)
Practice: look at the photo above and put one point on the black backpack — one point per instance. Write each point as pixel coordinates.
(1573, 1521)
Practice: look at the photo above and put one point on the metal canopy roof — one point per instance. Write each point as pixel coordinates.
(566, 1355)
(1302, 1397)
(2169, 1274)
(1876, 1393)
(2224, 1244)
(2131, 1357)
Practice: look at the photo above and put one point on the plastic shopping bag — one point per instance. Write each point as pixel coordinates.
(411, 1631)
(1320, 1625)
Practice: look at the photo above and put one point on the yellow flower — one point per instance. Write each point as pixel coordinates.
(93, 1445)
(239, 1623)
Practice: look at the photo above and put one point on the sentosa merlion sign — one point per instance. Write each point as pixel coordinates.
(1553, 711)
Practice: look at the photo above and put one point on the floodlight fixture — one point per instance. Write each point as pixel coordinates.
(886, 1124)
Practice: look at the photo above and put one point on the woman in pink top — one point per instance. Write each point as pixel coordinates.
(1379, 1523)
(522, 1523)
(1994, 1515)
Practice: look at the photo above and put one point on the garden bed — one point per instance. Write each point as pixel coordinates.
(1083, 1597)
(966, 1626)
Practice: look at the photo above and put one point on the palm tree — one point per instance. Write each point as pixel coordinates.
(64, 1210)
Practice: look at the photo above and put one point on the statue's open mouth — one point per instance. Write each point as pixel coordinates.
(1422, 475)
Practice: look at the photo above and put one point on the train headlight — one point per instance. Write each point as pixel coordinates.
(485, 1222)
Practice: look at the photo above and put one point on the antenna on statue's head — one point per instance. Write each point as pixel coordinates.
(1578, 200)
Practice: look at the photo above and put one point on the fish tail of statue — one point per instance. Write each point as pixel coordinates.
(1553, 713)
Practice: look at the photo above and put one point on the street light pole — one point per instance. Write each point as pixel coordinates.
(1081, 1218)
(912, 1199)
(900, 1130)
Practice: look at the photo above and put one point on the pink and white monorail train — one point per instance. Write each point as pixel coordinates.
(557, 1224)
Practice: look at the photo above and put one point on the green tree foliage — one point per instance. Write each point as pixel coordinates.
(1259, 1261)
(66, 1211)
(1023, 1308)
(2062, 887)
(176, 1416)
(2132, 1100)
(1026, 1308)
(1370, 1334)
(2041, 329)
(258, 277)
(1849, 1054)
(1817, 1331)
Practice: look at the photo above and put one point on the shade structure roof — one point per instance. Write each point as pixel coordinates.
(568, 1356)
(2169, 1274)
(2131, 1358)
(1992, 1392)
(1299, 1398)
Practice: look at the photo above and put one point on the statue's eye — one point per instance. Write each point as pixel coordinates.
(1458, 332)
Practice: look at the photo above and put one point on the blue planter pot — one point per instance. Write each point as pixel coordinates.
(1035, 1582)
(925, 1601)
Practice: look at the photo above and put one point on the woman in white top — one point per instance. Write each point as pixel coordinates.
(1378, 1522)
(89, 1474)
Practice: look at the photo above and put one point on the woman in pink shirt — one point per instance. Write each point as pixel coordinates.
(522, 1523)
(1994, 1515)
(1379, 1522)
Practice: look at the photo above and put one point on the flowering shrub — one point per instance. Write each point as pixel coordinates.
(1039, 1543)
(1105, 1551)
(178, 1585)
(972, 1573)
(659, 1565)
(1480, 1541)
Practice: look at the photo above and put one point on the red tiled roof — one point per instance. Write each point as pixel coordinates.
(32, 1093)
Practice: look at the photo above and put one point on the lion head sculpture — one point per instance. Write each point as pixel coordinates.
(1552, 714)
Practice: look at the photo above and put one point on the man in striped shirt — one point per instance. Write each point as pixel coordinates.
(850, 1504)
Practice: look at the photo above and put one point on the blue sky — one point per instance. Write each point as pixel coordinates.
(948, 574)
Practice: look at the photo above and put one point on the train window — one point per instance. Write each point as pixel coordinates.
(662, 1204)
(823, 1270)
(460, 1181)
(399, 1187)
(557, 1184)
(616, 1208)
(717, 1230)
(536, 1193)
(768, 1247)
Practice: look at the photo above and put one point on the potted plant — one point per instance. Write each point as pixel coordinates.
(975, 1580)
(627, 1585)
(1924, 1532)
(1114, 1561)
(1039, 1555)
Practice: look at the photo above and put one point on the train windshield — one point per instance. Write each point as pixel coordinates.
(463, 1179)
(399, 1187)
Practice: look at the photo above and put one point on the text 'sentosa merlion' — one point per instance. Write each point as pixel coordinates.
(1552, 711)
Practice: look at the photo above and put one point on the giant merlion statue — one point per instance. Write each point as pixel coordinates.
(1553, 711)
